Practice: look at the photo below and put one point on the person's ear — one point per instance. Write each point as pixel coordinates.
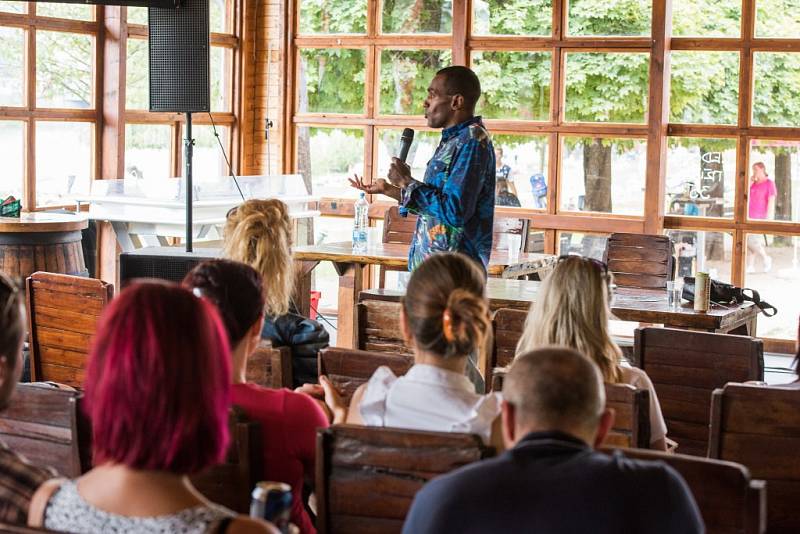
(457, 102)
(509, 417)
(604, 426)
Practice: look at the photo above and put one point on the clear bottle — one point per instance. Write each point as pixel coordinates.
(360, 224)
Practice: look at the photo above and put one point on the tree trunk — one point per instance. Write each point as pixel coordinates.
(712, 187)
(597, 176)
(783, 201)
(303, 132)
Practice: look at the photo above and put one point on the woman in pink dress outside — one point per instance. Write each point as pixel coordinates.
(761, 206)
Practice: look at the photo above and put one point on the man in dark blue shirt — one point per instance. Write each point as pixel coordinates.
(550, 479)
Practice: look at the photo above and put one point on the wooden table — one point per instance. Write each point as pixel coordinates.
(351, 267)
(638, 305)
(42, 241)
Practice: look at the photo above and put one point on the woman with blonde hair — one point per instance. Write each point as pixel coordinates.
(572, 309)
(259, 233)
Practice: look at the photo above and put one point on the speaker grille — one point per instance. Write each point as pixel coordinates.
(179, 58)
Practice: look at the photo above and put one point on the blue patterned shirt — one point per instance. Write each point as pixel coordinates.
(455, 202)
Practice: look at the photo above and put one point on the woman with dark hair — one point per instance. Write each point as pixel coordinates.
(289, 420)
(158, 395)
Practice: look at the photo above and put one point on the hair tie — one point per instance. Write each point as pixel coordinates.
(447, 326)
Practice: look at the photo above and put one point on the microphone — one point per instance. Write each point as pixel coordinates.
(405, 143)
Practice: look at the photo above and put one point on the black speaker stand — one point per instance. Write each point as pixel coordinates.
(188, 147)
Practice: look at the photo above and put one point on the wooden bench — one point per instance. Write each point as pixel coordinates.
(270, 366)
(685, 368)
(728, 499)
(379, 327)
(759, 427)
(367, 477)
(349, 368)
(507, 325)
(45, 424)
(63, 311)
(640, 260)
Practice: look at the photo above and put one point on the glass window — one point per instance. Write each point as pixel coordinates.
(12, 67)
(606, 87)
(64, 66)
(208, 161)
(221, 67)
(704, 87)
(586, 244)
(63, 161)
(420, 153)
(416, 16)
(777, 18)
(499, 17)
(774, 180)
(701, 18)
(619, 17)
(515, 85)
(327, 157)
(14, 7)
(701, 174)
(405, 77)
(148, 150)
(522, 160)
(12, 154)
(776, 100)
(137, 15)
(218, 16)
(137, 75)
(696, 251)
(331, 80)
(65, 11)
(603, 175)
(327, 16)
(773, 270)
(325, 280)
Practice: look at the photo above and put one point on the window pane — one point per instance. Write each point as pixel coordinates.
(776, 100)
(607, 87)
(618, 17)
(522, 161)
(137, 15)
(419, 155)
(63, 161)
(702, 252)
(12, 154)
(14, 7)
(64, 69)
(327, 16)
(137, 75)
(207, 161)
(416, 16)
(148, 150)
(516, 85)
(781, 161)
(331, 80)
(777, 18)
(603, 175)
(498, 17)
(701, 176)
(587, 245)
(405, 76)
(326, 157)
(12, 67)
(773, 271)
(704, 87)
(701, 18)
(218, 16)
(325, 279)
(221, 78)
(65, 11)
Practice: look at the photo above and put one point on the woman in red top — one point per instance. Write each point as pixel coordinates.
(761, 206)
(289, 420)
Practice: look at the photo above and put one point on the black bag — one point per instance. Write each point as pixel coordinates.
(727, 294)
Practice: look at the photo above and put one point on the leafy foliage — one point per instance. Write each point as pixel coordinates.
(333, 16)
(516, 85)
(333, 79)
(405, 76)
(610, 17)
(512, 17)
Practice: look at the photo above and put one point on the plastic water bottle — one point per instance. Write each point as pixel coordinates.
(360, 224)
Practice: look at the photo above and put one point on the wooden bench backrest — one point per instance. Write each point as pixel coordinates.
(270, 366)
(349, 368)
(640, 260)
(759, 427)
(632, 416)
(63, 311)
(397, 229)
(507, 326)
(685, 368)
(379, 326)
(45, 425)
(231, 482)
(367, 476)
(728, 499)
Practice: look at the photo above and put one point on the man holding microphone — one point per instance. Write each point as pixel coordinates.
(455, 201)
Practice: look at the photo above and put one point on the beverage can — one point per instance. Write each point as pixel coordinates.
(702, 292)
(272, 501)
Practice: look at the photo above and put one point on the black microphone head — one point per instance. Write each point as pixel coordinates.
(405, 143)
(408, 134)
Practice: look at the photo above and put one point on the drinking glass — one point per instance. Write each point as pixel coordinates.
(674, 290)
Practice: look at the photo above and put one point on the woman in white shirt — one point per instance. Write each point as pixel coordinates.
(444, 317)
(572, 309)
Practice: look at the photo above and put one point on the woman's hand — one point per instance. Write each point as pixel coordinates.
(328, 397)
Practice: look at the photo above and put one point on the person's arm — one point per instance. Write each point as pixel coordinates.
(771, 208)
(353, 414)
(378, 187)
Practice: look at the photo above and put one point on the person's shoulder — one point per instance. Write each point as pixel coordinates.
(477, 132)
(635, 377)
(470, 480)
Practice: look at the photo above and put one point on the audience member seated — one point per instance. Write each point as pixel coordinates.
(157, 393)
(550, 479)
(18, 478)
(445, 318)
(572, 309)
(289, 420)
(259, 233)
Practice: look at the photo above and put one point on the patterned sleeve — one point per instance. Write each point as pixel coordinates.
(455, 203)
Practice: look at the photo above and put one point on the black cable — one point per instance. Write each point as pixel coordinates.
(224, 155)
(291, 301)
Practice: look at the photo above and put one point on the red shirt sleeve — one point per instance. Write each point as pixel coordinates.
(304, 417)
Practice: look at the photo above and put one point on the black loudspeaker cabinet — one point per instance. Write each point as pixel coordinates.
(165, 263)
(179, 58)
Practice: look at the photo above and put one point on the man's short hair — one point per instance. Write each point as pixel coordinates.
(462, 81)
(555, 388)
